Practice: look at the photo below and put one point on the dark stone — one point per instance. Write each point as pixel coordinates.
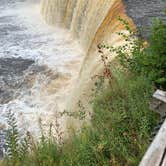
(12, 77)
(14, 66)
(6, 96)
(143, 12)
(18, 75)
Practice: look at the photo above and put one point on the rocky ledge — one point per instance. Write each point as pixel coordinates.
(143, 13)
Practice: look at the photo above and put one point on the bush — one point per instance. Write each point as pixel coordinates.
(154, 63)
(123, 118)
(121, 126)
(141, 60)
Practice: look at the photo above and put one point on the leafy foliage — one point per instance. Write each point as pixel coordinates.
(124, 119)
(139, 58)
(17, 148)
(154, 63)
(12, 137)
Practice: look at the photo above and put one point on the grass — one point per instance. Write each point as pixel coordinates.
(123, 112)
(119, 135)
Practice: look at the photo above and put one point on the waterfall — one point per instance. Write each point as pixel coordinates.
(91, 22)
(44, 70)
(83, 18)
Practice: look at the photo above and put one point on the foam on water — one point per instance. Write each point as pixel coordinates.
(23, 33)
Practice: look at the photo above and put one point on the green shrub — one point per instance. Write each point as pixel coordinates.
(123, 117)
(17, 148)
(150, 61)
(154, 63)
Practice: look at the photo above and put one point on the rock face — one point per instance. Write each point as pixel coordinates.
(11, 77)
(18, 75)
(94, 22)
(143, 12)
(14, 66)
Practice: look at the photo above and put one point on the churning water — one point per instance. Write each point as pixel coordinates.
(38, 65)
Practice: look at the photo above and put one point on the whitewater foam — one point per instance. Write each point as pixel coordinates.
(24, 34)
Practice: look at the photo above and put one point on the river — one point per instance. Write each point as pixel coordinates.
(38, 64)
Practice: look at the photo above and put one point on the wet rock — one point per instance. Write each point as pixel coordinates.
(6, 96)
(14, 66)
(8, 28)
(143, 12)
(12, 77)
(19, 75)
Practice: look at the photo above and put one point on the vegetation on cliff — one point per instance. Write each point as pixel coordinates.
(121, 126)
(142, 58)
(121, 121)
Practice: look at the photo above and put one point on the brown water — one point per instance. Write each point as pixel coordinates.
(93, 22)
